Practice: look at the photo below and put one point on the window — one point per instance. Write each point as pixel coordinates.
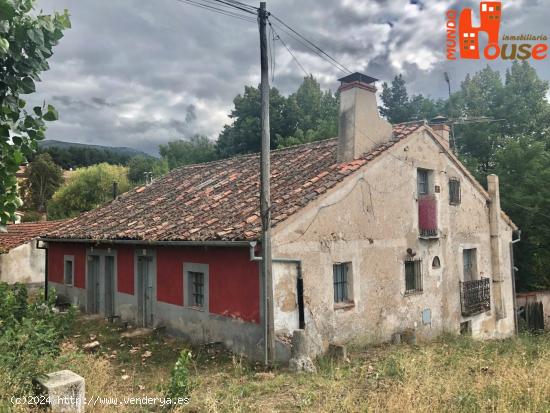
(413, 276)
(68, 270)
(469, 261)
(454, 191)
(423, 186)
(436, 263)
(196, 288)
(341, 287)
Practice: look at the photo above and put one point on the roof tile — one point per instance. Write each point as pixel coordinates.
(220, 200)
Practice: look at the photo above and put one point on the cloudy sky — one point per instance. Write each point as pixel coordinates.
(139, 73)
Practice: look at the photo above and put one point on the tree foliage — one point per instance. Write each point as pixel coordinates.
(87, 189)
(397, 107)
(26, 42)
(181, 152)
(140, 165)
(77, 157)
(44, 177)
(307, 115)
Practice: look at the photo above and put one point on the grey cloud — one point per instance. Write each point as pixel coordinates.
(135, 73)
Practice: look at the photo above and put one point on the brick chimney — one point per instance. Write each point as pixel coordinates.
(360, 129)
(440, 125)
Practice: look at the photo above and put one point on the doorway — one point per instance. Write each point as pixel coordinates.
(145, 290)
(93, 283)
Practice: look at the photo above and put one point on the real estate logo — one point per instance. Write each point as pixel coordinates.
(463, 39)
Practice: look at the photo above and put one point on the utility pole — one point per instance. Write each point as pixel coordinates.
(265, 193)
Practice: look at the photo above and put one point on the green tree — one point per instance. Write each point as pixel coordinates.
(397, 107)
(87, 189)
(140, 165)
(197, 149)
(523, 166)
(26, 42)
(44, 177)
(480, 95)
(243, 135)
(395, 101)
(311, 114)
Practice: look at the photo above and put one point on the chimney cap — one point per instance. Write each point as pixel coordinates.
(358, 77)
(438, 120)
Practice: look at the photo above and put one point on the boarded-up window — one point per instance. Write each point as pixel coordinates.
(413, 276)
(68, 271)
(469, 261)
(340, 275)
(454, 191)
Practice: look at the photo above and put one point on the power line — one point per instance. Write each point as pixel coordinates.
(238, 5)
(340, 65)
(532, 210)
(307, 46)
(218, 10)
(288, 49)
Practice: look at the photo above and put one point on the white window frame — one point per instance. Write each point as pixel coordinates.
(68, 258)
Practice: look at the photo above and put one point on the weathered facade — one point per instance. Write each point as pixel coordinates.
(20, 259)
(378, 232)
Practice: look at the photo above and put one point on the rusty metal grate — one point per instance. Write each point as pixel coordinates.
(475, 296)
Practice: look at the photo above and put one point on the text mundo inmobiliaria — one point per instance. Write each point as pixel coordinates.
(463, 37)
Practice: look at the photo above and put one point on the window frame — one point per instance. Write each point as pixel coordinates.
(417, 276)
(426, 173)
(66, 259)
(342, 295)
(472, 253)
(457, 198)
(189, 270)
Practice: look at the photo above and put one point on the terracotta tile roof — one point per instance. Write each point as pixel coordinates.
(19, 234)
(220, 200)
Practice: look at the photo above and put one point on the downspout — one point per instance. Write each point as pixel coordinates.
(515, 241)
(299, 287)
(494, 230)
(45, 248)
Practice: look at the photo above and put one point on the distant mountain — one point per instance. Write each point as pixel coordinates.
(119, 150)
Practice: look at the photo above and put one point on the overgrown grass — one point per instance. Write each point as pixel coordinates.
(452, 374)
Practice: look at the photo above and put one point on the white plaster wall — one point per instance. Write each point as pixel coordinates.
(370, 219)
(23, 264)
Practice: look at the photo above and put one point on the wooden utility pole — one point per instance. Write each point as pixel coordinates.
(265, 193)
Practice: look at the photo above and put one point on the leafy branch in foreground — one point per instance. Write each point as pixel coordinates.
(26, 43)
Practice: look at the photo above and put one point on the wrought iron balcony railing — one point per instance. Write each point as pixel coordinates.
(475, 296)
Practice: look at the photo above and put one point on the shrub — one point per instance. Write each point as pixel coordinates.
(30, 334)
(179, 380)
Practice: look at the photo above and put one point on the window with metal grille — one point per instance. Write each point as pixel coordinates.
(423, 181)
(469, 262)
(413, 276)
(196, 287)
(340, 273)
(68, 271)
(454, 191)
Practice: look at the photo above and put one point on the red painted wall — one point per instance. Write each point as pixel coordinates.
(234, 283)
(56, 253)
(125, 269)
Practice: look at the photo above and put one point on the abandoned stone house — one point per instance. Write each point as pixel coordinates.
(378, 231)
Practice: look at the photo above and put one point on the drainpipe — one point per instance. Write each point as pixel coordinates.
(515, 241)
(299, 287)
(45, 248)
(494, 227)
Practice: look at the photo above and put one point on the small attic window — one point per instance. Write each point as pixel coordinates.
(436, 263)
